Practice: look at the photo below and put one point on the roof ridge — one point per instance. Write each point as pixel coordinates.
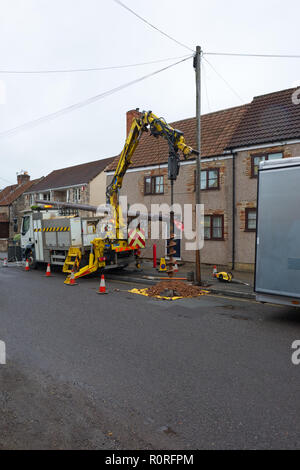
(81, 164)
(213, 112)
(278, 92)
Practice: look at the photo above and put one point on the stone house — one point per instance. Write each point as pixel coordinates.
(83, 184)
(12, 203)
(270, 129)
(233, 142)
(146, 181)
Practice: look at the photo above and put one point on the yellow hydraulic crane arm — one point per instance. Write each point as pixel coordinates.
(146, 121)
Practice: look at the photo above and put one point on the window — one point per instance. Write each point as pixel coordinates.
(214, 227)
(76, 194)
(154, 185)
(256, 159)
(209, 179)
(44, 197)
(250, 220)
(4, 229)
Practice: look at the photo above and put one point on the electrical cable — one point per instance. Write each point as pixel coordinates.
(232, 54)
(205, 86)
(83, 103)
(6, 181)
(93, 69)
(152, 26)
(225, 81)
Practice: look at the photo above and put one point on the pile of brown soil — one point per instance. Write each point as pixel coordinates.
(174, 288)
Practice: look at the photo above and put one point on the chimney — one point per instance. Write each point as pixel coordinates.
(23, 177)
(130, 115)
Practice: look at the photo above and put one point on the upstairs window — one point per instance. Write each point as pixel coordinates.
(256, 159)
(154, 185)
(76, 194)
(209, 179)
(44, 196)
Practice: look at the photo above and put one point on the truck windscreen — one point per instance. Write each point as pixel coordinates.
(26, 224)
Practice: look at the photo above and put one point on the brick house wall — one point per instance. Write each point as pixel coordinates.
(246, 198)
(216, 202)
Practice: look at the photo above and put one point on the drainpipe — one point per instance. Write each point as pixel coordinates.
(233, 208)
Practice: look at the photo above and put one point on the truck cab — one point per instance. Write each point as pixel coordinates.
(27, 237)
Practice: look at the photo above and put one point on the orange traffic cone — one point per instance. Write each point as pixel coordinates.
(27, 265)
(72, 280)
(5, 264)
(48, 270)
(102, 289)
(215, 271)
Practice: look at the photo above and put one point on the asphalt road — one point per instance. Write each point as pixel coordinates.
(122, 371)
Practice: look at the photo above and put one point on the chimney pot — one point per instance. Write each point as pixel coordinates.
(23, 178)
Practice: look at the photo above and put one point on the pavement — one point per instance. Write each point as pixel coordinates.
(122, 371)
(241, 286)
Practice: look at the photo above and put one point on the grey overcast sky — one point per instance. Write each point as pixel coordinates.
(64, 34)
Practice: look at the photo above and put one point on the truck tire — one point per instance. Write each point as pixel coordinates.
(30, 255)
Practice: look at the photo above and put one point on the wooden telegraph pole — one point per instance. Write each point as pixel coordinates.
(197, 66)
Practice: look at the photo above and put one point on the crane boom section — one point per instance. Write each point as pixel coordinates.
(158, 127)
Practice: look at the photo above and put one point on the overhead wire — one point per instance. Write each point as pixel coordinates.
(205, 86)
(225, 81)
(91, 69)
(236, 54)
(6, 181)
(152, 25)
(85, 102)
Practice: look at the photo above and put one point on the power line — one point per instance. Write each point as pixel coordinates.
(6, 181)
(152, 26)
(86, 102)
(92, 69)
(232, 54)
(205, 86)
(225, 81)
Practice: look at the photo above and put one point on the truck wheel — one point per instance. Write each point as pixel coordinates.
(30, 255)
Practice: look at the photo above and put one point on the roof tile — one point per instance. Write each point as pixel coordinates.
(71, 176)
(9, 194)
(269, 118)
(217, 131)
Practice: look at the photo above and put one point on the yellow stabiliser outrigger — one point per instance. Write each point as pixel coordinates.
(146, 121)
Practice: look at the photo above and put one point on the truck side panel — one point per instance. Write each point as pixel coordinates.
(76, 232)
(278, 232)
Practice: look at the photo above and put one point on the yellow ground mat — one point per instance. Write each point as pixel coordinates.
(145, 294)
